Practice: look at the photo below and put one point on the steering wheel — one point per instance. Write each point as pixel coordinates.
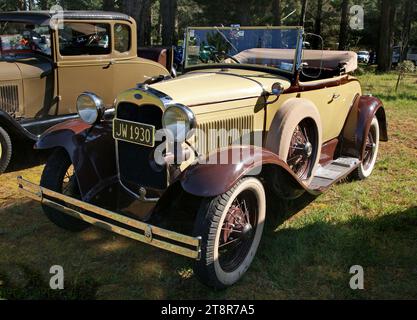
(93, 38)
(224, 55)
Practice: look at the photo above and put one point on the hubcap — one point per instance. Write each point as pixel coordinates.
(308, 149)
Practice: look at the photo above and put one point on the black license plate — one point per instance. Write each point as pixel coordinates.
(134, 132)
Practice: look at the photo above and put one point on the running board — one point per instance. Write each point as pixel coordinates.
(333, 172)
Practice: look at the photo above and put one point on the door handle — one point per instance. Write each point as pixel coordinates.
(111, 62)
(335, 97)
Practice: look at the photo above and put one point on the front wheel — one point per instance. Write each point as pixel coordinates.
(231, 227)
(59, 176)
(5, 150)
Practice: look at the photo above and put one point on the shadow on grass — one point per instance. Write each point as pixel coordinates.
(393, 96)
(32, 286)
(25, 157)
(308, 260)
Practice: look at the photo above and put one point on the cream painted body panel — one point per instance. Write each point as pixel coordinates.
(333, 113)
(215, 85)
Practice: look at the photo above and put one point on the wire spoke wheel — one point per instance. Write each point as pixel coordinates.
(230, 226)
(370, 152)
(302, 149)
(370, 146)
(68, 181)
(238, 231)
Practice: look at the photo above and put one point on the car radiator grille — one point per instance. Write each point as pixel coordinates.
(9, 99)
(222, 133)
(135, 161)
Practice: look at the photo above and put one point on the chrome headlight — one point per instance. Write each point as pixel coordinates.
(90, 107)
(180, 121)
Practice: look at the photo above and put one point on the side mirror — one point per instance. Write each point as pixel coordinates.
(312, 62)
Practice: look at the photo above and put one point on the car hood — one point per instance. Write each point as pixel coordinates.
(216, 85)
(9, 71)
(24, 68)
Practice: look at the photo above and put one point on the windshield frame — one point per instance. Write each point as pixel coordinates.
(297, 55)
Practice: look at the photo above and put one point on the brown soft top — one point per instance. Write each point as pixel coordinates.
(314, 58)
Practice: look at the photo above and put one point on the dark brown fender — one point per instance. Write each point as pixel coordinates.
(91, 150)
(358, 123)
(209, 180)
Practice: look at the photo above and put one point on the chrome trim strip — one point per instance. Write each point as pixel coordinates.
(184, 245)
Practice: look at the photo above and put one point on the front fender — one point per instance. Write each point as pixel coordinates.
(14, 128)
(91, 150)
(210, 180)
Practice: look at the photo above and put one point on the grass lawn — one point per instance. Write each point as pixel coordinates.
(371, 223)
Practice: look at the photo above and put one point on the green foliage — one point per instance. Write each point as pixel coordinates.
(403, 68)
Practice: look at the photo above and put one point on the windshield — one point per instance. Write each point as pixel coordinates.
(270, 47)
(21, 38)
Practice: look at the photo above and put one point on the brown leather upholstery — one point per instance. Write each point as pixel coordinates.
(156, 54)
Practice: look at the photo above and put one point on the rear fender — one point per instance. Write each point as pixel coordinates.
(358, 123)
(91, 150)
(210, 180)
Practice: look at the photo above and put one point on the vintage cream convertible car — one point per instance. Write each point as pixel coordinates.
(253, 110)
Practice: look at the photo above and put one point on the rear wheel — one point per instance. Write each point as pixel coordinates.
(59, 176)
(231, 227)
(5, 150)
(371, 152)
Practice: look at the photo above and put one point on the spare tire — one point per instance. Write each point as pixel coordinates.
(296, 137)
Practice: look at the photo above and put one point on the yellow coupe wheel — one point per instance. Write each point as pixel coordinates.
(5, 150)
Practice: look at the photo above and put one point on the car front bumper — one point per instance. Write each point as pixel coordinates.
(165, 239)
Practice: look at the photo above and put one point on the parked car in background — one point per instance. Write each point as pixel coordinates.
(412, 55)
(363, 56)
(253, 111)
(43, 69)
(396, 55)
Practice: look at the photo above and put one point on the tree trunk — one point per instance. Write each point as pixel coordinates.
(108, 5)
(386, 21)
(344, 26)
(168, 11)
(317, 24)
(303, 12)
(276, 10)
(406, 30)
(319, 16)
(140, 10)
(244, 12)
(43, 5)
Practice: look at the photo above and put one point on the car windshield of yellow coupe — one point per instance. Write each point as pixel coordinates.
(17, 39)
(265, 47)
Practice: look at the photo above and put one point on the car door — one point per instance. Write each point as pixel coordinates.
(84, 62)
